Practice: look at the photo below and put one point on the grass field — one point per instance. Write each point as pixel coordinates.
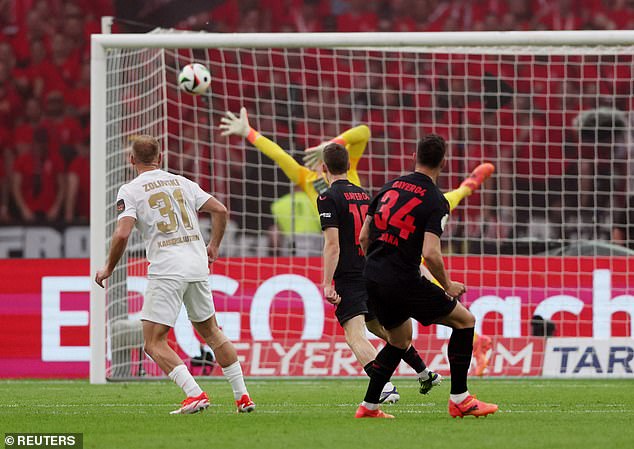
(319, 414)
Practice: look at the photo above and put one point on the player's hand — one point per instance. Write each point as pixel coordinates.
(331, 295)
(52, 213)
(314, 156)
(235, 126)
(102, 275)
(27, 215)
(212, 253)
(455, 289)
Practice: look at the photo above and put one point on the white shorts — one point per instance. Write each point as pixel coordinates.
(164, 298)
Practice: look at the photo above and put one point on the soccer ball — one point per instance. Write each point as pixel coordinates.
(194, 78)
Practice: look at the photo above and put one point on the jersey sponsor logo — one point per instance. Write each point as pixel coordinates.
(443, 222)
(326, 215)
(409, 187)
(120, 206)
(322, 198)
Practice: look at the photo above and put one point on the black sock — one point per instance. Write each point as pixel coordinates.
(459, 352)
(412, 358)
(382, 369)
(368, 368)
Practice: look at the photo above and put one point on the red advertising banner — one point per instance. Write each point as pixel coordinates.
(273, 310)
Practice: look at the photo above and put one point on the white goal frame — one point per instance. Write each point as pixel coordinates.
(100, 43)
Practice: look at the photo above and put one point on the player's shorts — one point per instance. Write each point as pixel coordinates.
(354, 299)
(164, 298)
(393, 304)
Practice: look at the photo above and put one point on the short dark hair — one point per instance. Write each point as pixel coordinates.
(431, 151)
(336, 158)
(145, 149)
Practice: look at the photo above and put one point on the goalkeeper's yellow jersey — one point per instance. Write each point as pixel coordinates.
(355, 140)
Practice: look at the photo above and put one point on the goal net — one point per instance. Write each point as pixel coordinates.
(542, 246)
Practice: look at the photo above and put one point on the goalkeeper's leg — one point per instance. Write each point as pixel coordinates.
(227, 358)
(472, 183)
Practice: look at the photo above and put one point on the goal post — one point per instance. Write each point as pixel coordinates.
(550, 109)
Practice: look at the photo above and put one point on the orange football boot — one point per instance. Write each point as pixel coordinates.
(471, 406)
(480, 174)
(363, 412)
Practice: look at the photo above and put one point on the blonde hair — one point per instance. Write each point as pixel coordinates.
(145, 149)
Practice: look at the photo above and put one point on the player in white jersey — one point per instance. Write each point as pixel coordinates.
(164, 207)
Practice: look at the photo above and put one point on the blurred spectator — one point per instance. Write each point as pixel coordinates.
(361, 16)
(24, 131)
(65, 59)
(79, 101)
(601, 169)
(4, 185)
(623, 229)
(10, 100)
(65, 133)
(297, 230)
(38, 181)
(77, 197)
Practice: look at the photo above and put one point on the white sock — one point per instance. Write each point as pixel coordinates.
(388, 387)
(458, 398)
(183, 378)
(233, 374)
(424, 374)
(370, 406)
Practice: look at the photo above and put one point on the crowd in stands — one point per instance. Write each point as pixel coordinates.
(44, 98)
(44, 108)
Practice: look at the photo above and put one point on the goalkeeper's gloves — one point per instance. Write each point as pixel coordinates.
(314, 156)
(235, 126)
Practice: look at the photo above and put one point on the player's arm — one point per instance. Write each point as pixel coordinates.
(433, 258)
(239, 126)
(331, 259)
(53, 212)
(364, 235)
(16, 189)
(329, 220)
(219, 217)
(355, 140)
(71, 196)
(119, 241)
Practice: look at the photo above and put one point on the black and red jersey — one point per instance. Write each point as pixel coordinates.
(403, 211)
(344, 206)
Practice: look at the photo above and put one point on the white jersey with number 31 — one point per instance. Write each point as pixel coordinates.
(165, 208)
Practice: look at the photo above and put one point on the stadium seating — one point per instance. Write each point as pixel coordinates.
(44, 78)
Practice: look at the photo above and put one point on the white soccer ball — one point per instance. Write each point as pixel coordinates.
(194, 78)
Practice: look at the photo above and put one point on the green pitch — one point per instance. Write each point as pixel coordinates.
(319, 414)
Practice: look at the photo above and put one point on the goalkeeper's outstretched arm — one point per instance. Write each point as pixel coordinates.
(355, 140)
(239, 126)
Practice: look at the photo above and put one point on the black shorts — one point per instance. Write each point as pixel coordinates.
(420, 299)
(354, 299)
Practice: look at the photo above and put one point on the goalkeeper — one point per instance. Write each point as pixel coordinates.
(310, 177)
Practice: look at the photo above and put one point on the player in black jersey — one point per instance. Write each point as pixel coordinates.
(342, 209)
(404, 222)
